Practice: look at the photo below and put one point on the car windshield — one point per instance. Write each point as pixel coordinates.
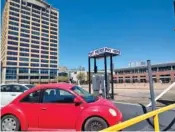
(84, 94)
(30, 86)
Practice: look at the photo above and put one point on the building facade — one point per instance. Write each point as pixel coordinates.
(163, 73)
(30, 42)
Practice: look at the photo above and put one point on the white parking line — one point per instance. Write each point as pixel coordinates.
(126, 103)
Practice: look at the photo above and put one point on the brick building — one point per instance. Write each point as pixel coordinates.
(163, 73)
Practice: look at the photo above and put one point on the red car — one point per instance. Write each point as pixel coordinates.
(59, 106)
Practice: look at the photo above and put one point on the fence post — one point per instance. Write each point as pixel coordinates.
(156, 123)
(151, 85)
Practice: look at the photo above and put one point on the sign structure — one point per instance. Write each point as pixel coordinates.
(104, 51)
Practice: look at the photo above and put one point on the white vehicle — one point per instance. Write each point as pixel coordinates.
(10, 91)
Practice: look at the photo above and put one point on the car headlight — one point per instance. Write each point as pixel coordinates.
(112, 112)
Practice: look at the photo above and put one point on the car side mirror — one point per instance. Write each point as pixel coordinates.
(77, 101)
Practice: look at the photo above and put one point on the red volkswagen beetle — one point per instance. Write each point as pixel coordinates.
(59, 106)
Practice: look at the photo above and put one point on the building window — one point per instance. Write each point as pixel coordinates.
(53, 45)
(25, 17)
(35, 46)
(53, 49)
(35, 15)
(14, 4)
(45, 39)
(24, 45)
(44, 22)
(25, 35)
(36, 7)
(11, 58)
(24, 49)
(44, 52)
(25, 12)
(35, 33)
(54, 66)
(25, 8)
(24, 40)
(14, 14)
(25, 21)
(11, 53)
(23, 64)
(13, 18)
(12, 63)
(13, 33)
(44, 26)
(54, 25)
(35, 24)
(34, 70)
(54, 17)
(53, 57)
(45, 35)
(13, 28)
(25, 30)
(35, 55)
(45, 18)
(53, 71)
(13, 23)
(44, 77)
(44, 65)
(34, 77)
(44, 48)
(44, 56)
(35, 42)
(23, 77)
(18, 1)
(46, 31)
(45, 43)
(23, 59)
(34, 51)
(36, 20)
(54, 29)
(44, 71)
(35, 64)
(24, 54)
(45, 14)
(53, 13)
(23, 70)
(53, 53)
(52, 61)
(12, 48)
(11, 73)
(35, 11)
(53, 32)
(54, 21)
(25, 26)
(34, 60)
(44, 61)
(35, 37)
(12, 43)
(54, 37)
(14, 9)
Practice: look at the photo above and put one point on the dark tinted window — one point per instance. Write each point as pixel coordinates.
(18, 88)
(32, 97)
(6, 88)
(57, 96)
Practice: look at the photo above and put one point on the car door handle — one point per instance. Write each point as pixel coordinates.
(43, 108)
(13, 94)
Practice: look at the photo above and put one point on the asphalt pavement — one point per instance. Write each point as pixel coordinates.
(167, 119)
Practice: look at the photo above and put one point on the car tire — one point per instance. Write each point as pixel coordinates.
(10, 123)
(95, 124)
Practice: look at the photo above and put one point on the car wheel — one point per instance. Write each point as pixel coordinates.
(10, 123)
(95, 124)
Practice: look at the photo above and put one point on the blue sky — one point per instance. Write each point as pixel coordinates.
(140, 29)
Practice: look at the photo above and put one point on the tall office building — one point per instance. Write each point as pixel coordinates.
(30, 43)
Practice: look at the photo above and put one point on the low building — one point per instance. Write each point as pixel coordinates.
(163, 73)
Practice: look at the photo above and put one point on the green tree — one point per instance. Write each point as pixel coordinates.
(81, 76)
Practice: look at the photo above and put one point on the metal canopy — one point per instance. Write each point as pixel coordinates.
(102, 52)
(98, 54)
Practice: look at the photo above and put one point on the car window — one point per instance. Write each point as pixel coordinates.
(18, 88)
(6, 88)
(32, 97)
(30, 86)
(57, 96)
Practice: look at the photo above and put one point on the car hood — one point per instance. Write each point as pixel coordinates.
(103, 101)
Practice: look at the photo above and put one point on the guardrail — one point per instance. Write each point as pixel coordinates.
(140, 118)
